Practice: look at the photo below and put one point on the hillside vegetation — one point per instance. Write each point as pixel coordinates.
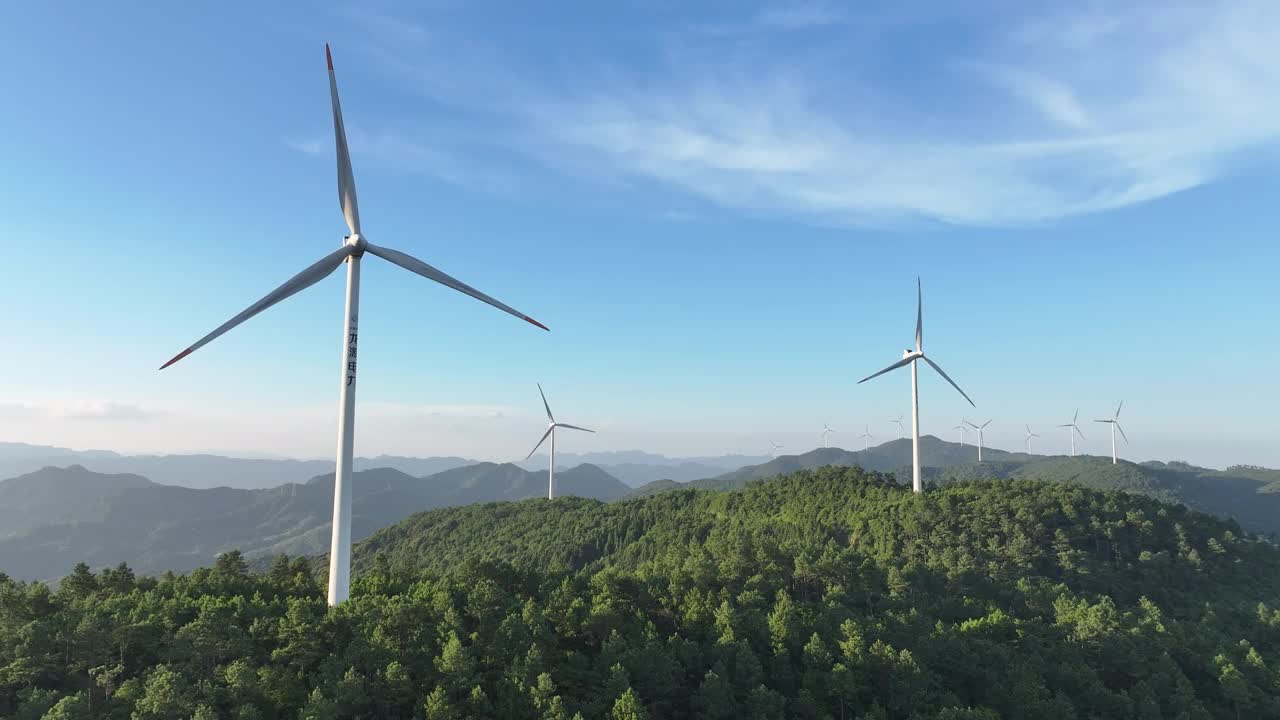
(1249, 495)
(830, 593)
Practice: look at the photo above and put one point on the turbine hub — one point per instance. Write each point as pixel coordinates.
(358, 242)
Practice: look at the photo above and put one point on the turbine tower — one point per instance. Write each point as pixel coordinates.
(775, 448)
(866, 439)
(826, 430)
(353, 248)
(1073, 431)
(1029, 436)
(963, 432)
(909, 358)
(551, 433)
(979, 428)
(1114, 421)
(899, 421)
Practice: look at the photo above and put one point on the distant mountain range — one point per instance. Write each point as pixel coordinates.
(55, 517)
(632, 467)
(52, 518)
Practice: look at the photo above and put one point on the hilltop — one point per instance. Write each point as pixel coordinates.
(826, 593)
(1249, 495)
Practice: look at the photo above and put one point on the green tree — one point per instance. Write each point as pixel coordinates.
(628, 707)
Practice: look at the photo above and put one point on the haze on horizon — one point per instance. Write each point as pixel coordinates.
(720, 214)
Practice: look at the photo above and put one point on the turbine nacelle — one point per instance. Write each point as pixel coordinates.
(357, 243)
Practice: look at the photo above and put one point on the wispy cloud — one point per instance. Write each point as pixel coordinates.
(1042, 117)
(309, 146)
(87, 410)
(796, 16)
(106, 411)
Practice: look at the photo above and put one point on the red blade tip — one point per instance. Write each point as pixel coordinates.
(176, 358)
(328, 57)
(531, 321)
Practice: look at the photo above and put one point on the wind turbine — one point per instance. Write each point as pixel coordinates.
(551, 432)
(826, 430)
(1029, 436)
(866, 439)
(1115, 425)
(354, 247)
(1073, 431)
(899, 421)
(963, 432)
(979, 428)
(776, 448)
(909, 358)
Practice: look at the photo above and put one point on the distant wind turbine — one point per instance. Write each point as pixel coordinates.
(551, 433)
(866, 439)
(354, 247)
(909, 358)
(1114, 421)
(979, 428)
(775, 448)
(1075, 429)
(1029, 436)
(899, 421)
(826, 430)
(963, 432)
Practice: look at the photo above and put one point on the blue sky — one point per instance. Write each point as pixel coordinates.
(720, 212)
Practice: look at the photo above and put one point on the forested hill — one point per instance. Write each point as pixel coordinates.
(1249, 495)
(824, 594)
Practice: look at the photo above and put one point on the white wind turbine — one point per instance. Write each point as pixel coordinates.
(979, 428)
(866, 439)
(964, 431)
(1114, 421)
(899, 421)
(1074, 430)
(775, 448)
(826, 430)
(1029, 436)
(352, 250)
(909, 358)
(551, 433)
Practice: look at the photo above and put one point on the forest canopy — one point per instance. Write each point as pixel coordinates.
(830, 593)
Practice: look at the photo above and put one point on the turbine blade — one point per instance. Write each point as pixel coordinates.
(934, 365)
(1075, 417)
(412, 264)
(346, 181)
(544, 439)
(303, 280)
(920, 318)
(1078, 430)
(975, 427)
(545, 405)
(1117, 415)
(1126, 437)
(573, 427)
(986, 423)
(894, 366)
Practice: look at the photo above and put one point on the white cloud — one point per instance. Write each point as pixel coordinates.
(309, 146)
(796, 16)
(109, 411)
(85, 410)
(1078, 111)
